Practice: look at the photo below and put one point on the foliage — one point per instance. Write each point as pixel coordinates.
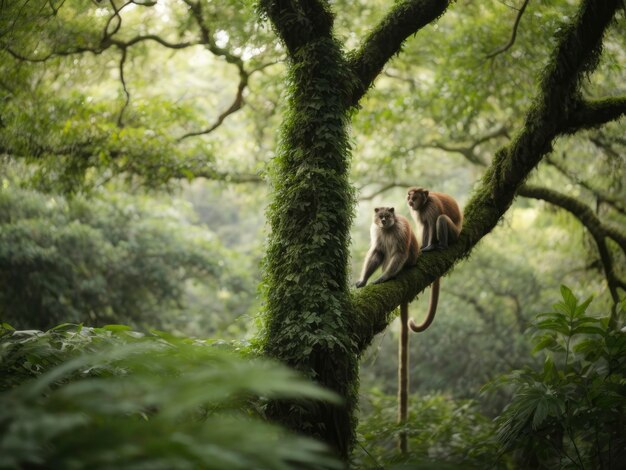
(571, 413)
(112, 258)
(442, 433)
(78, 397)
(94, 90)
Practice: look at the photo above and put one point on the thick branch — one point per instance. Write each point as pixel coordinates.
(575, 55)
(405, 19)
(594, 113)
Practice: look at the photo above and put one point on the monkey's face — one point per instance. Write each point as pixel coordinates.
(384, 217)
(416, 198)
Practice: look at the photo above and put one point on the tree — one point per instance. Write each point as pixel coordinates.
(319, 327)
(313, 321)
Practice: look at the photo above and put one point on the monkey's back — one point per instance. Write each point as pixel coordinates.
(447, 205)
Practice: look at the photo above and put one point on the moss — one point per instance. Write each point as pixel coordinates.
(308, 313)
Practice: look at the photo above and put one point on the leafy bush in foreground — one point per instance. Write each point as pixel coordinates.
(571, 413)
(77, 397)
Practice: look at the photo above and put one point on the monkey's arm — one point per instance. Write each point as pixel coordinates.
(373, 259)
(396, 263)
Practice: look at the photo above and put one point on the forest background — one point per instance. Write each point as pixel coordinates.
(139, 145)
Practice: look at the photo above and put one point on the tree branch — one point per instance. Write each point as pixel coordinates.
(508, 45)
(598, 231)
(575, 55)
(468, 151)
(384, 188)
(386, 39)
(120, 117)
(209, 42)
(593, 113)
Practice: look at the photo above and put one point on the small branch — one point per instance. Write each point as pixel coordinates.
(209, 42)
(615, 203)
(236, 105)
(114, 17)
(508, 45)
(387, 187)
(606, 147)
(120, 122)
(468, 151)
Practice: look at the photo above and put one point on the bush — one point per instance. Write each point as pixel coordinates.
(572, 412)
(77, 397)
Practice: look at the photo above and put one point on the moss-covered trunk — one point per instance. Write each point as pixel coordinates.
(306, 278)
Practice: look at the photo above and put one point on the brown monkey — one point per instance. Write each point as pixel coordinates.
(438, 214)
(441, 221)
(393, 244)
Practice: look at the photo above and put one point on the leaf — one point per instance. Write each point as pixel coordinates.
(569, 298)
(546, 341)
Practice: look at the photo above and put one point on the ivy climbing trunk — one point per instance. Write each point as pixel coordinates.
(306, 278)
(310, 313)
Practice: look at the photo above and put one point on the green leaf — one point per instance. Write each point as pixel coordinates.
(569, 299)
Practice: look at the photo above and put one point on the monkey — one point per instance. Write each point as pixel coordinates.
(441, 221)
(438, 214)
(393, 244)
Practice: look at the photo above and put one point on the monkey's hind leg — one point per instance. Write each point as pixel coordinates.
(446, 233)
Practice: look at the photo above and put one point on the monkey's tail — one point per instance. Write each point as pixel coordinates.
(432, 309)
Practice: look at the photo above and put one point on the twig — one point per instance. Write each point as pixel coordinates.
(120, 122)
(513, 34)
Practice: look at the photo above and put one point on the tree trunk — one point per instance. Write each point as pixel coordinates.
(306, 275)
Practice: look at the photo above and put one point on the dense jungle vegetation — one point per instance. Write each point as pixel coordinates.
(186, 191)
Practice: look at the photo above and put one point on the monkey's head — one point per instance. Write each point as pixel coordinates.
(416, 198)
(384, 217)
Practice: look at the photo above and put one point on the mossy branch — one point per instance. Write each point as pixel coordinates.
(594, 113)
(576, 54)
(385, 40)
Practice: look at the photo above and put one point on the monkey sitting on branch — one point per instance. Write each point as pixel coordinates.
(441, 220)
(393, 245)
(438, 214)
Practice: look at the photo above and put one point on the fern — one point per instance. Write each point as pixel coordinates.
(79, 397)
